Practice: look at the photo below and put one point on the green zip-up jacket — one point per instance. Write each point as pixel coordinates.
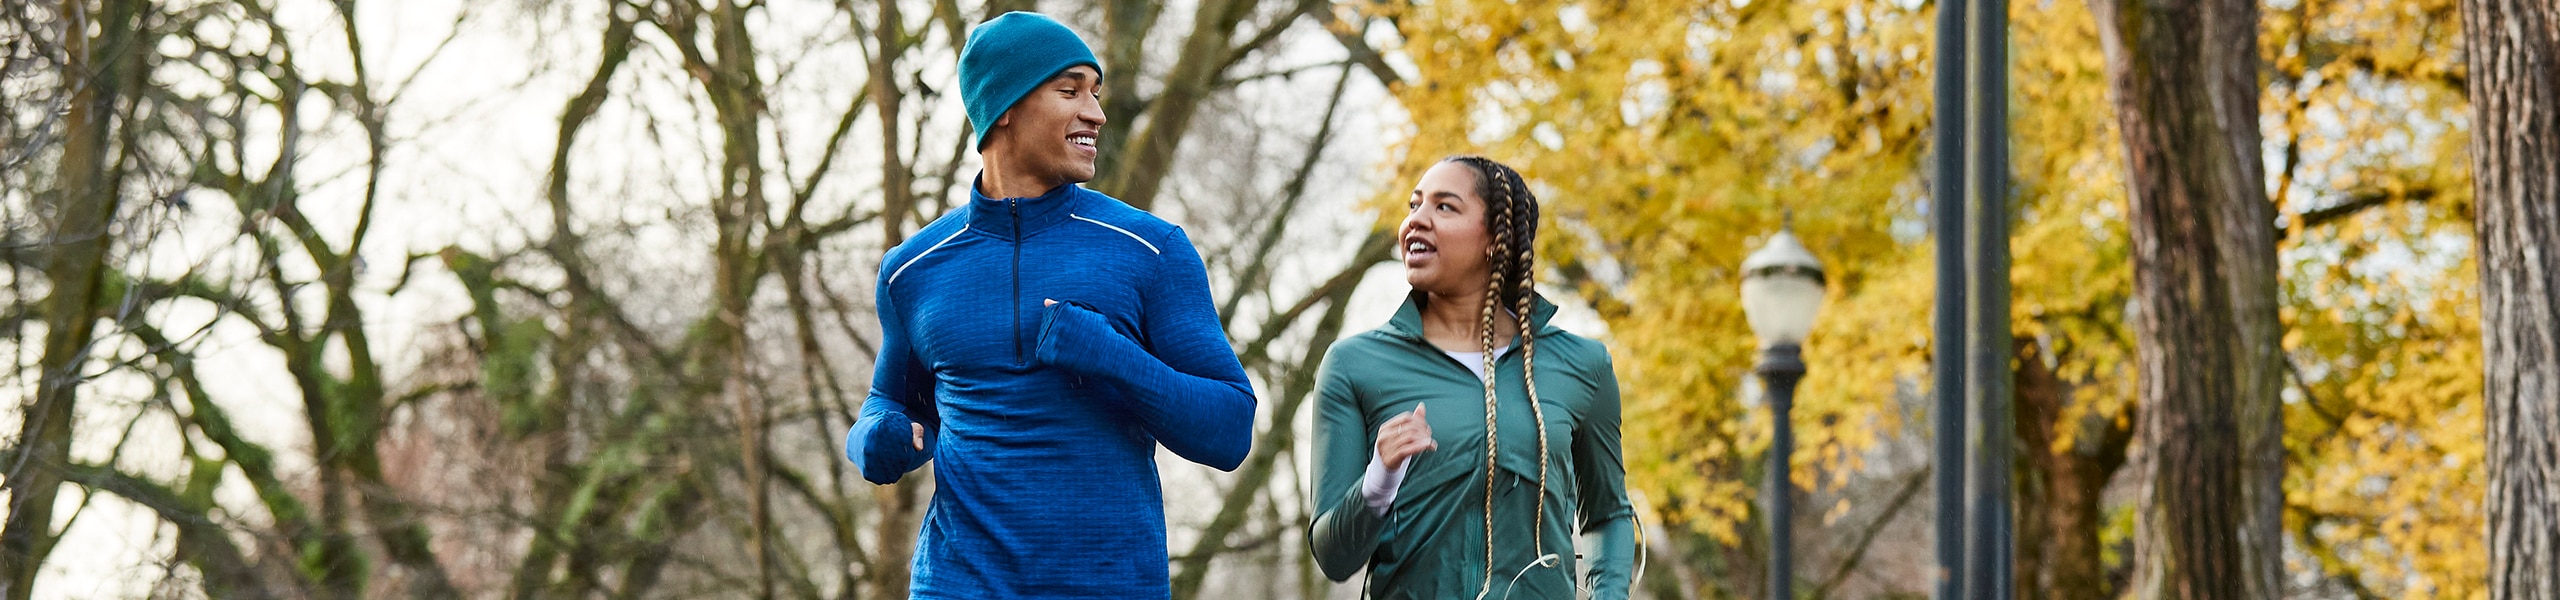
(1431, 542)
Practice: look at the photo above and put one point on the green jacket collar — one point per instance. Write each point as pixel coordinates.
(1407, 323)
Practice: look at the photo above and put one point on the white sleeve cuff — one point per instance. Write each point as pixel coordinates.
(1378, 485)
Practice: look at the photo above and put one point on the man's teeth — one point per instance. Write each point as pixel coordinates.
(1081, 140)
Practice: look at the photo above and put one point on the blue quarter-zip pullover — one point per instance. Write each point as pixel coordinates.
(1043, 420)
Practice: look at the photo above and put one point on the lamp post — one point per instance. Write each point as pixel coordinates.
(1781, 295)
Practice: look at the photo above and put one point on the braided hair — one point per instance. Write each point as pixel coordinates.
(1511, 216)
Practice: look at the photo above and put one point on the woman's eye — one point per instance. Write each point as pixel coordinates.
(1447, 207)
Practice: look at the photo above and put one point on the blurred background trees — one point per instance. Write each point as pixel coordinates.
(571, 299)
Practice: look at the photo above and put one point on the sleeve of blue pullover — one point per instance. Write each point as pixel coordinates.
(1608, 519)
(1184, 383)
(881, 443)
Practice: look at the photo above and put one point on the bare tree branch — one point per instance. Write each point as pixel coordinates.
(2355, 203)
(1353, 37)
(1867, 535)
(1295, 192)
(201, 542)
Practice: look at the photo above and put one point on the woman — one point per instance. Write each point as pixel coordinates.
(1425, 436)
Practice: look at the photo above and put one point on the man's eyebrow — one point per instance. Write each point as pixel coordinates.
(1076, 76)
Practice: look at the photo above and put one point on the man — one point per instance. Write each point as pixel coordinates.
(1038, 343)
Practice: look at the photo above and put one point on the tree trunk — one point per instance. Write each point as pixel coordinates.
(1136, 178)
(2249, 272)
(82, 204)
(901, 507)
(739, 104)
(1124, 52)
(2514, 61)
(2058, 489)
(897, 192)
(2183, 75)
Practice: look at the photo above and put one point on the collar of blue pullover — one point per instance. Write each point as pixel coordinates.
(1014, 218)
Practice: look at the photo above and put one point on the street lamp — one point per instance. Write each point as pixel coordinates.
(1781, 295)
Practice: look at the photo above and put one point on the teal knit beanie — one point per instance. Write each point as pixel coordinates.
(1008, 56)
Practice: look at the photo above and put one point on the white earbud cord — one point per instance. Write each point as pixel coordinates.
(1548, 560)
(1635, 580)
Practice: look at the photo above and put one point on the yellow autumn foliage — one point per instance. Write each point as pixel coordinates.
(1668, 137)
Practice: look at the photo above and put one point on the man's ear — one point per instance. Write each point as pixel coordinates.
(1002, 120)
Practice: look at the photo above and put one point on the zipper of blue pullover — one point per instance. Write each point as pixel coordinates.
(1013, 207)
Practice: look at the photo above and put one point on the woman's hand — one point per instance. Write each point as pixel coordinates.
(1404, 436)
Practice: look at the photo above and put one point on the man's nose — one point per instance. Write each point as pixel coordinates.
(1091, 112)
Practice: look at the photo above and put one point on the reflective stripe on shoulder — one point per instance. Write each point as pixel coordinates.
(1151, 247)
(902, 269)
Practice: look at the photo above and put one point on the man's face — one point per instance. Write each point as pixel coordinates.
(1051, 133)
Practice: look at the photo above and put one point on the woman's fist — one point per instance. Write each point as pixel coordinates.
(1404, 436)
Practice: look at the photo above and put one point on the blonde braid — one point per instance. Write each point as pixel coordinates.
(1492, 427)
(1512, 218)
(1526, 285)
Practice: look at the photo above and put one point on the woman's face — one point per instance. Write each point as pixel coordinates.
(1445, 245)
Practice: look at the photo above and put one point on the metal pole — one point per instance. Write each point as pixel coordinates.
(1781, 366)
(1946, 189)
(1991, 441)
